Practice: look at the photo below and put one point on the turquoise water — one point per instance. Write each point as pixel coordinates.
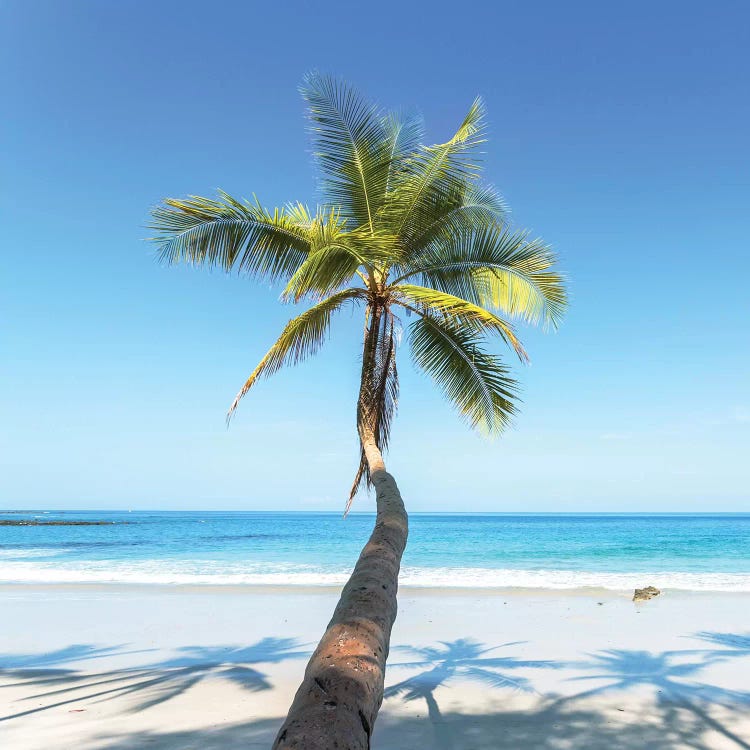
(693, 552)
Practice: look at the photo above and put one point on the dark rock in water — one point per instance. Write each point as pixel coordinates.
(32, 522)
(643, 595)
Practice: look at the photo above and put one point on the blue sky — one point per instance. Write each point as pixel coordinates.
(619, 133)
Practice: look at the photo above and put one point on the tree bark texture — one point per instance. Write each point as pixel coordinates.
(339, 698)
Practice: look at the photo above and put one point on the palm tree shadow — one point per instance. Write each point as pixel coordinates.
(733, 643)
(152, 684)
(671, 675)
(464, 659)
(51, 663)
(674, 677)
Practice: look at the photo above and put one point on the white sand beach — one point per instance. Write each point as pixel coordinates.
(210, 668)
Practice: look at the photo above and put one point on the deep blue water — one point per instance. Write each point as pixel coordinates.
(709, 552)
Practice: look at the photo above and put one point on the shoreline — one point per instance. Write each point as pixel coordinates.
(327, 589)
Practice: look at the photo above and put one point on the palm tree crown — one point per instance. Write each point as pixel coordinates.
(402, 228)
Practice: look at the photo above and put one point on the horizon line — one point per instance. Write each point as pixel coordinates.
(372, 512)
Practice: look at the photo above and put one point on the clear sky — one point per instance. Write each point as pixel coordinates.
(619, 133)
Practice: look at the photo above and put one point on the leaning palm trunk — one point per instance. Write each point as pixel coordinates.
(340, 695)
(338, 701)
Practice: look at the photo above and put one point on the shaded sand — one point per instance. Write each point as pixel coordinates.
(211, 668)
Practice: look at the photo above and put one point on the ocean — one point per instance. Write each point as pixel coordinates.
(560, 551)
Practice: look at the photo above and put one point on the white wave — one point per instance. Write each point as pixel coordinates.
(571, 579)
(159, 572)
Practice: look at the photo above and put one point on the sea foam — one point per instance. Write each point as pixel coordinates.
(461, 578)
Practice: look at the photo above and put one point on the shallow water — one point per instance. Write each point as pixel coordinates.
(691, 552)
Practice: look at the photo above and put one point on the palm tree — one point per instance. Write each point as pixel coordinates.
(403, 229)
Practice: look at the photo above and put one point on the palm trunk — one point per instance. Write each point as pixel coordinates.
(339, 699)
(340, 695)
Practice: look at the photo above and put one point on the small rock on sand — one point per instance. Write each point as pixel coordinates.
(643, 595)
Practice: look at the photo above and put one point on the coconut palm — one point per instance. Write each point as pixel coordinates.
(403, 231)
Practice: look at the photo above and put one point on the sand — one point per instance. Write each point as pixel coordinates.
(212, 668)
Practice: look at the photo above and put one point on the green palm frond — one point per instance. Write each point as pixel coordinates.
(300, 214)
(469, 208)
(404, 135)
(433, 173)
(451, 307)
(231, 234)
(352, 147)
(496, 267)
(476, 382)
(302, 337)
(322, 272)
(330, 266)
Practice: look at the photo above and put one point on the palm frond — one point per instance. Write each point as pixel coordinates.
(451, 307)
(433, 173)
(404, 136)
(230, 233)
(336, 256)
(352, 147)
(476, 382)
(471, 207)
(497, 267)
(302, 336)
(322, 272)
